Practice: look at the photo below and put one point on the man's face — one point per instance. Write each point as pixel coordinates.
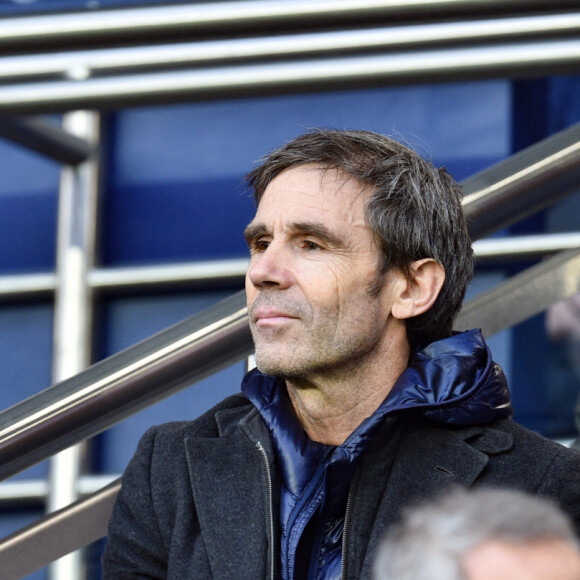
(313, 259)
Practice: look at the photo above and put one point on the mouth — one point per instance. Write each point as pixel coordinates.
(267, 317)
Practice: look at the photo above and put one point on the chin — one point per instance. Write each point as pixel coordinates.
(276, 366)
(270, 367)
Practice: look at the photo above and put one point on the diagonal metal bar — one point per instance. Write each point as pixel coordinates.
(57, 534)
(117, 387)
(523, 184)
(523, 295)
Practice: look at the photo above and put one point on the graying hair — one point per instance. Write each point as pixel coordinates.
(431, 540)
(414, 211)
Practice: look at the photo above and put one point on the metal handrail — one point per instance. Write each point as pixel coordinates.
(57, 534)
(529, 59)
(67, 81)
(523, 184)
(110, 390)
(46, 138)
(99, 27)
(33, 491)
(523, 295)
(531, 247)
(137, 279)
(67, 78)
(80, 65)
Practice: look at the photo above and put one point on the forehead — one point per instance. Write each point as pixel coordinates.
(308, 189)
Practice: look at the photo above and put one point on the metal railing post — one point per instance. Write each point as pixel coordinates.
(73, 310)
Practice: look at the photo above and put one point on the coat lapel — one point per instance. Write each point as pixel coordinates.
(230, 495)
(427, 461)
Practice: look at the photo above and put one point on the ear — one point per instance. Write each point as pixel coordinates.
(418, 292)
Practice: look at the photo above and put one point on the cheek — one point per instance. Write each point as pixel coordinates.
(334, 293)
(350, 283)
(323, 284)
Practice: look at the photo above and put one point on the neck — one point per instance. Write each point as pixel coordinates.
(331, 407)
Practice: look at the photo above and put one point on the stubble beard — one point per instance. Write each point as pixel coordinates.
(321, 350)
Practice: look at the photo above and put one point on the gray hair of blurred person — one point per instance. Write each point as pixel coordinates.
(432, 539)
(414, 211)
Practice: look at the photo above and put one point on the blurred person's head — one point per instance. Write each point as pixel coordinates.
(485, 534)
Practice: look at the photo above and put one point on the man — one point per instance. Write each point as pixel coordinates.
(364, 400)
(486, 534)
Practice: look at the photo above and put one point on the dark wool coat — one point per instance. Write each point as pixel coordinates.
(198, 502)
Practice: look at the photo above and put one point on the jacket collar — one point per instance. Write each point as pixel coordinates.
(452, 381)
(455, 381)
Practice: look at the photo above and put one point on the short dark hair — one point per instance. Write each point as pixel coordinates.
(414, 210)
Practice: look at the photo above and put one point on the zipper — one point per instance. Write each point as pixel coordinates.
(264, 455)
(345, 527)
(309, 504)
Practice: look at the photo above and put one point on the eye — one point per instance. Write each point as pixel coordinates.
(310, 245)
(260, 245)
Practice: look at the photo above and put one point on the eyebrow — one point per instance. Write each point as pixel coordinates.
(316, 229)
(254, 231)
(319, 231)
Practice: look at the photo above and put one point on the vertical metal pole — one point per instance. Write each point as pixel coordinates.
(73, 309)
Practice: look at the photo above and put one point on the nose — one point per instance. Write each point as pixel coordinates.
(270, 268)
